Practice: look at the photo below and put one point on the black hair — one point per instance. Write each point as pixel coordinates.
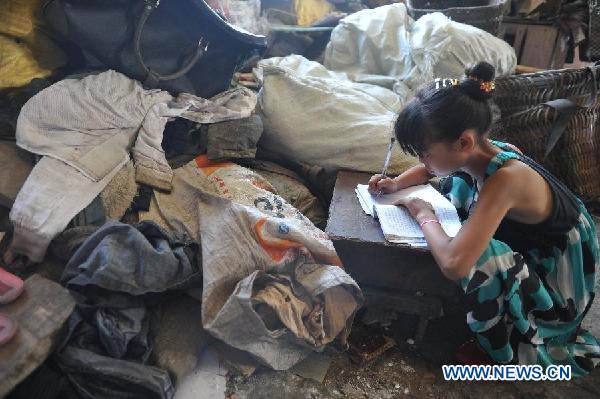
(444, 109)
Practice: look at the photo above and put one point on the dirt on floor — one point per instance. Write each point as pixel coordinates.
(404, 372)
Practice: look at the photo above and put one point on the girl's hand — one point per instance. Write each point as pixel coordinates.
(385, 184)
(419, 209)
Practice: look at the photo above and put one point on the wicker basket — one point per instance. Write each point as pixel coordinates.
(575, 159)
(520, 92)
(483, 14)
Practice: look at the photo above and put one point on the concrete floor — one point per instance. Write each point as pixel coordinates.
(402, 373)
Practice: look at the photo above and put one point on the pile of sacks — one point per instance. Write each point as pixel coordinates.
(341, 114)
(136, 192)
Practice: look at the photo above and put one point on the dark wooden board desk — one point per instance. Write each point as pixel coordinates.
(392, 275)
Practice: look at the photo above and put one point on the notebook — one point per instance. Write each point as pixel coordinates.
(397, 224)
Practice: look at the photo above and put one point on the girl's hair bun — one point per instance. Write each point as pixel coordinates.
(479, 81)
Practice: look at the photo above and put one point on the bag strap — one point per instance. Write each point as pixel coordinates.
(152, 78)
(566, 108)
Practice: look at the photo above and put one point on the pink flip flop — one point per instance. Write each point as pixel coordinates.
(11, 287)
(8, 328)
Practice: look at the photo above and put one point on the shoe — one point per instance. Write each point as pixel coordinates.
(8, 328)
(470, 353)
(11, 287)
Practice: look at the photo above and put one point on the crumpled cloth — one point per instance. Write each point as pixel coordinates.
(279, 306)
(116, 275)
(86, 128)
(134, 260)
(92, 123)
(53, 194)
(238, 139)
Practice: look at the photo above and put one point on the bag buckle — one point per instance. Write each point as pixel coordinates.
(152, 3)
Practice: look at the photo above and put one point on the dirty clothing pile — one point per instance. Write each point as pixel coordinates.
(271, 282)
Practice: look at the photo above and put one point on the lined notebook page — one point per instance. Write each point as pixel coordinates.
(424, 191)
(396, 222)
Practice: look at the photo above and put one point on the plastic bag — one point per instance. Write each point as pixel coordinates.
(387, 41)
(320, 117)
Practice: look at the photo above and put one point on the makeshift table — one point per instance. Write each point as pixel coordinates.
(391, 275)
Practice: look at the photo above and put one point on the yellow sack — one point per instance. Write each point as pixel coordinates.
(309, 11)
(18, 17)
(17, 64)
(26, 51)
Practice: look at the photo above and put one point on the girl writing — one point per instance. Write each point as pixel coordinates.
(527, 253)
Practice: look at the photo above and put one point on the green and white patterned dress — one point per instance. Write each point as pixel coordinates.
(531, 288)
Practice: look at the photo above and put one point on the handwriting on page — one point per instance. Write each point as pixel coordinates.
(449, 220)
(397, 221)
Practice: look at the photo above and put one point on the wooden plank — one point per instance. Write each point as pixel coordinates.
(41, 312)
(538, 45)
(561, 47)
(514, 34)
(520, 34)
(527, 69)
(538, 50)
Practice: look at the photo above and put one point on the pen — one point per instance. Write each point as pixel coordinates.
(387, 161)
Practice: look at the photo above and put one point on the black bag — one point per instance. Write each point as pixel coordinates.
(177, 45)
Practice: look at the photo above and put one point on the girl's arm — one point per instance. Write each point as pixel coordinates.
(457, 256)
(411, 177)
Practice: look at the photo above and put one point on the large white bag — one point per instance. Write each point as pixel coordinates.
(320, 117)
(387, 41)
